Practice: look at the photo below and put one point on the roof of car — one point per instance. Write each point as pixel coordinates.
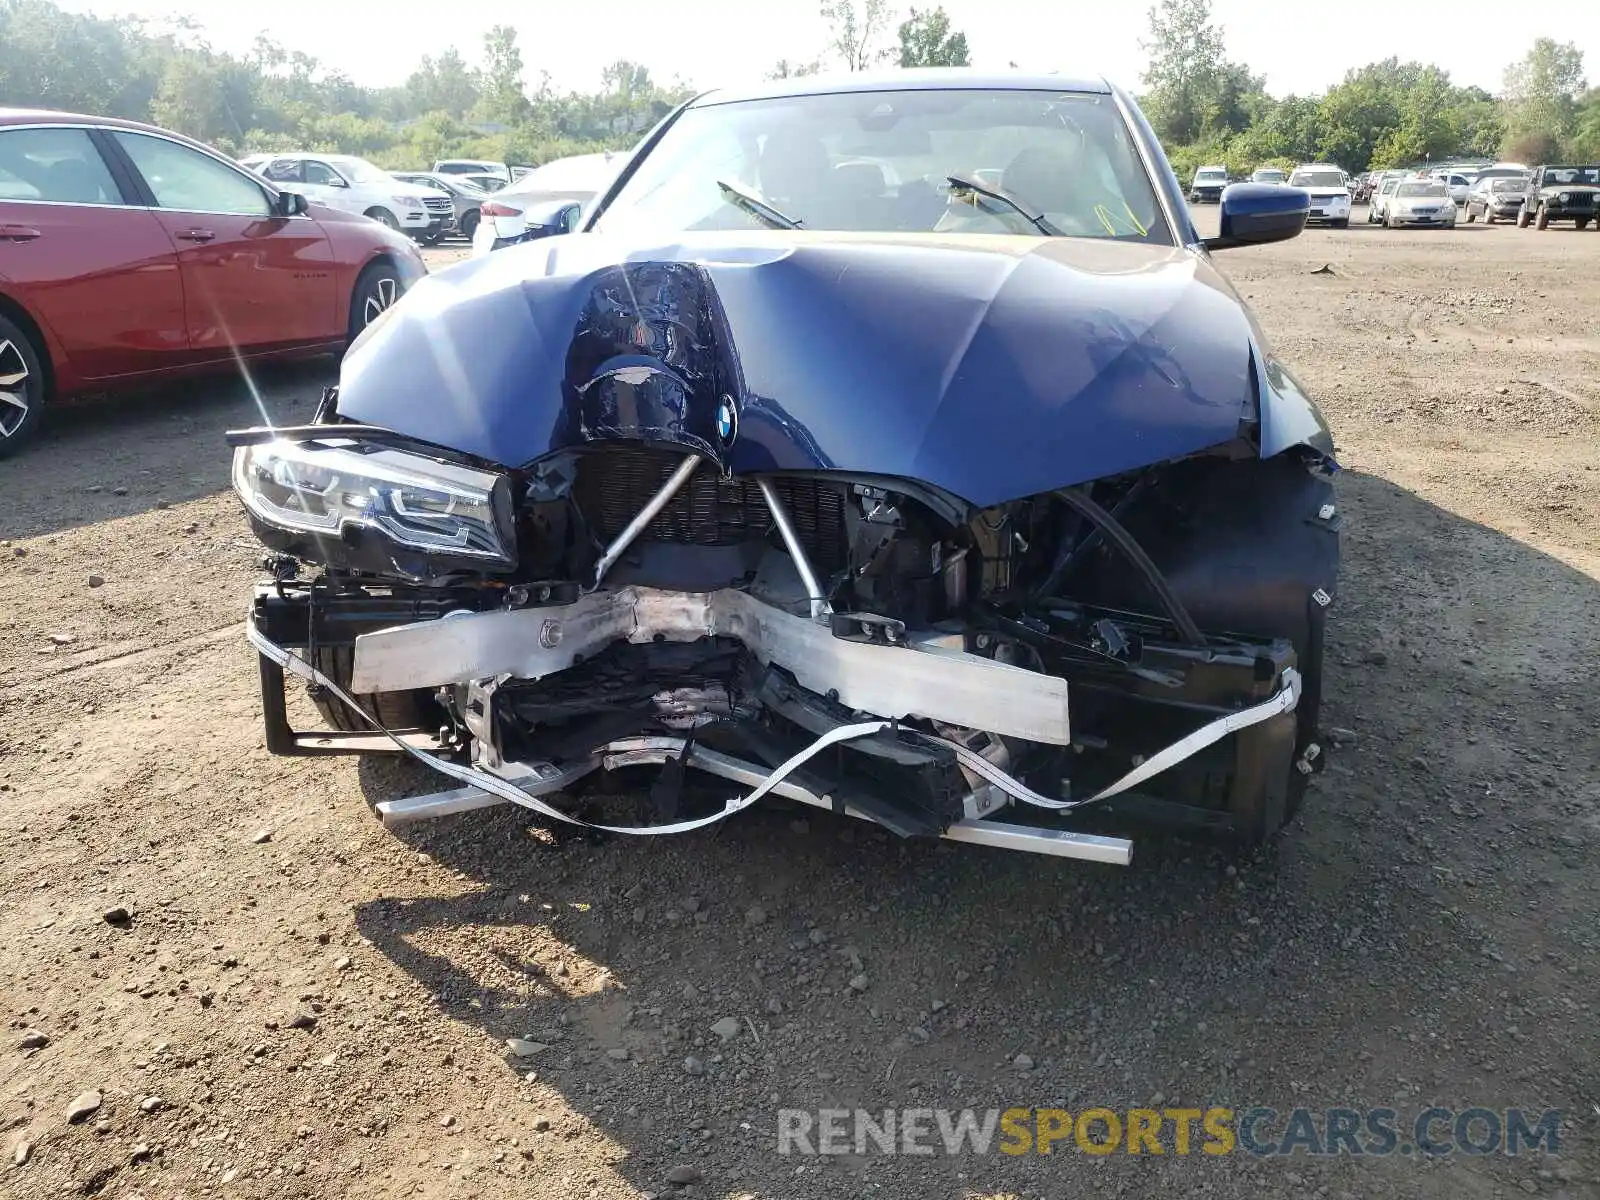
(31, 116)
(929, 79)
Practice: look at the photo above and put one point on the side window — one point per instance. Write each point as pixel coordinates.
(322, 173)
(187, 181)
(282, 170)
(60, 165)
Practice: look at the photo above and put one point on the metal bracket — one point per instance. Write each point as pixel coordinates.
(872, 628)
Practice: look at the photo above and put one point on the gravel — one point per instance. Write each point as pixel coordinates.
(1419, 935)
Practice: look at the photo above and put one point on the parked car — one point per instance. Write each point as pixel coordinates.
(1208, 184)
(1420, 202)
(829, 513)
(131, 253)
(1561, 193)
(485, 183)
(1269, 175)
(1379, 203)
(473, 166)
(1457, 185)
(547, 200)
(1495, 199)
(354, 185)
(1361, 187)
(465, 199)
(1329, 189)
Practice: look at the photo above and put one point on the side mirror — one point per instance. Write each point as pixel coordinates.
(1255, 213)
(292, 204)
(335, 181)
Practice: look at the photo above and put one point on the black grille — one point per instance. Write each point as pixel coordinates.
(613, 485)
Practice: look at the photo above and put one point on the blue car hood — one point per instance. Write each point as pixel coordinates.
(991, 367)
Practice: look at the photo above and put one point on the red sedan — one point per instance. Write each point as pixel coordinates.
(128, 253)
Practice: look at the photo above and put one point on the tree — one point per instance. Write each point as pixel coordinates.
(784, 69)
(1541, 92)
(1185, 51)
(855, 30)
(444, 84)
(502, 98)
(926, 41)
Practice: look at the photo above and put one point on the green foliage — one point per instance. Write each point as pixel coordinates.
(856, 29)
(1385, 114)
(274, 99)
(926, 41)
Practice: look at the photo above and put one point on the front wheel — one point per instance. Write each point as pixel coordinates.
(392, 710)
(1542, 221)
(1582, 222)
(1522, 218)
(1471, 216)
(376, 291)
(1341, 223)
(468, 225)
(383, 217)
(22, 387)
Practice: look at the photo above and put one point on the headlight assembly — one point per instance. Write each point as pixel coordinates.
(347, 494)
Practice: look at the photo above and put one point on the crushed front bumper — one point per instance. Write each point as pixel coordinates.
(835, 681)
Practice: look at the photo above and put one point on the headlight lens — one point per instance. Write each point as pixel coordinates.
(344, 491)
(1565, 197)
(407, 201)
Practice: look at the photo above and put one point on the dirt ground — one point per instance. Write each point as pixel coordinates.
(304, 1004)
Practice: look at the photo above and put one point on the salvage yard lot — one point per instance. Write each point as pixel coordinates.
(1424, 934)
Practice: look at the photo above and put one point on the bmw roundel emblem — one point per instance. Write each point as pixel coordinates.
(727, 421)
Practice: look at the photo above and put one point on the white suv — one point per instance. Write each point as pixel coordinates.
(354, 185)
(1330, 192)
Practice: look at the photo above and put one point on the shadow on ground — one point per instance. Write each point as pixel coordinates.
(865, 971)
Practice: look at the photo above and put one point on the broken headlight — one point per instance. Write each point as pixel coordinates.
(346, 492)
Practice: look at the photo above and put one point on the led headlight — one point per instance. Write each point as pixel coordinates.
(346, 493)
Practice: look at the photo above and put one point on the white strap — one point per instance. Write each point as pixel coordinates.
(1284, 700)
(507, 790)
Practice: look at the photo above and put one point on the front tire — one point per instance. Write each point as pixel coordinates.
(468, 226)
(1342, 223)
(1522, 218)
(1542, 221)
(376, 290)
(1582, 222)
(384, 217)
(392, 710)
(22, 387)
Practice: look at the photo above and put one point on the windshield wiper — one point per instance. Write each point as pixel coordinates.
(758, 208)
(993, 192)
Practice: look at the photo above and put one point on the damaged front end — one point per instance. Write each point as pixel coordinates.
(687, 574)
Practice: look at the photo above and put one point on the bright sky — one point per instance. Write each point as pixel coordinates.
(1300, 48)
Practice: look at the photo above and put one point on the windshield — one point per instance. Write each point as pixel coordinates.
(1423, 189)
(1269, 175)
(1560, 175)
(881, 161)
(1213, 175)
(1506, 185)
(356, 170)
(1317, 179)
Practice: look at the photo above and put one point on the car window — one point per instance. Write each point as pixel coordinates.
(186, 180)
(321, 173)
(283, 170)
(828, 160)
(1323, 179)
(59, 165)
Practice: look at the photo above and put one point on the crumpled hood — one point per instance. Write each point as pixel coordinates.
(992, 367)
